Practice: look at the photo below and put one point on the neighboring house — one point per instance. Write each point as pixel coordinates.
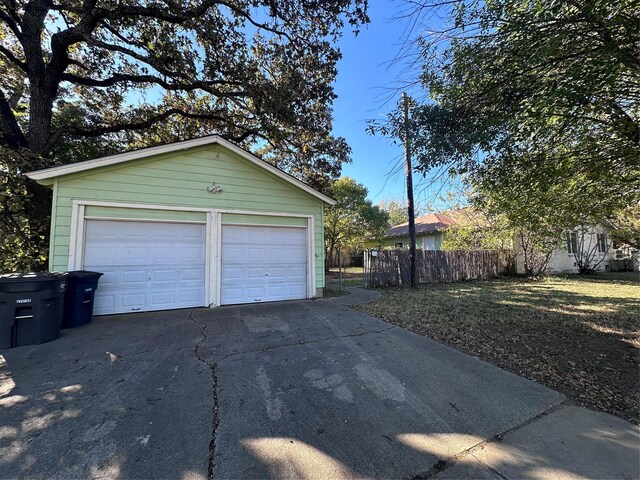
(189, 224)
(592, 244)
(429, 232)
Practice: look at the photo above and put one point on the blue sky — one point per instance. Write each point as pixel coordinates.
(368, 86)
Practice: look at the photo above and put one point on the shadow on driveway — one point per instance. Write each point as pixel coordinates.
(306, 389)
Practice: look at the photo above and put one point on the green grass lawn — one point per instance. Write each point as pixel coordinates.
(348, 270)
(578, 335)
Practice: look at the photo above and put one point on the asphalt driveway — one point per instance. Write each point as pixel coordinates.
(297, 389)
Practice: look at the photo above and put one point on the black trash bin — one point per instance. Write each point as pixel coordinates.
(31, 306)
(78, 301)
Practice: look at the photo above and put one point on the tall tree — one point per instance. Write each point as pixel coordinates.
(256, 72)
(396, 210)
(554, 84)
(352, 219)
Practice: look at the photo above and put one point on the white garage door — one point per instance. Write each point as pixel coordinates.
(263, 264)
(146, 266)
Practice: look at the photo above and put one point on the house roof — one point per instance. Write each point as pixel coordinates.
(46, 175)
(430, 223)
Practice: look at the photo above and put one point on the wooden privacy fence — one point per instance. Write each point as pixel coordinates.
(388, 268)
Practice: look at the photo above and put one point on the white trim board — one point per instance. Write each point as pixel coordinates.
(175, 208)
(143, 220)
(54, 172)
(242, 224)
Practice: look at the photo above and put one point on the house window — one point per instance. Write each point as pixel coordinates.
(602, 243)
(572, 242)
(429, 242)
(398, 245)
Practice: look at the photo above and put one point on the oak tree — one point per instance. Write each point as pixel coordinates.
(257, 72)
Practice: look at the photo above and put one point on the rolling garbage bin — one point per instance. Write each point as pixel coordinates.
(31, 306)
(78, 301)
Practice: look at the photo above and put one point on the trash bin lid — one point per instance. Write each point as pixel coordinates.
(83, 274)
(31, 277)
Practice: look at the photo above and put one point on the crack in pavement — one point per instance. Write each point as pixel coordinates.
(215, 421)
(213, 366)
(303, 342)
(443, 464)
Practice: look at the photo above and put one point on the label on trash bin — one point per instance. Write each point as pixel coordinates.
(88, 289)
(23, 300)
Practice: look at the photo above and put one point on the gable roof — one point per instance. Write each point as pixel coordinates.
(41, 176)
(425, 224)
(435, 222)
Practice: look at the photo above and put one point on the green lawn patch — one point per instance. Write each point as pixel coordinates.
(578, 335)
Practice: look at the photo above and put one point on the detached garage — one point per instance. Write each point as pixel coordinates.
(189, 224)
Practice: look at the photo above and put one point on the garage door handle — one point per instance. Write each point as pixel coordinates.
(149, 276)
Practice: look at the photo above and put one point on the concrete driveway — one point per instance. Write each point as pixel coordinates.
(306, 389)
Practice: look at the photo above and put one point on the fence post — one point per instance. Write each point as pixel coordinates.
(340, 268)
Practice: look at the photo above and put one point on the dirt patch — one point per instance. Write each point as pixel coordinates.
(578, 335)
(333, 292)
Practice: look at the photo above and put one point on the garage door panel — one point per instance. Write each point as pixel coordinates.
(131, 279)
(165, 276)
(232, 253)
(256, 253)
(190, 254)
(191, 275)
(255, 293)
(163, 297)
(285, 291)
(278, 254)
(232, 274)
(163, 255)
(107, 280)
(146, 266)
(103, 303)
(232, 294)
(193, 295)
(278, 236)
(131, 299)
(255, 274)
(277, 272)
(261, 264)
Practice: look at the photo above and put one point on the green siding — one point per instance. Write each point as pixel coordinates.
(438, 241)
(144, 214)
(180, 179)
(264, 220)
(390, 242)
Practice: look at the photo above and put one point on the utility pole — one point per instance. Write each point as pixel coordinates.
(409, 175)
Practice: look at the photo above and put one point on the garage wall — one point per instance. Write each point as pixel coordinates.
(231, 218)
(145, 214)
(181, 179)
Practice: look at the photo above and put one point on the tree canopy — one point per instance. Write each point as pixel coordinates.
(84, 78)
(352, 219)
(251, 70)
(534, 103)
(397, 211)
(556, 80)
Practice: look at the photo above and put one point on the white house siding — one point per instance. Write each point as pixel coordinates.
(562, 261)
